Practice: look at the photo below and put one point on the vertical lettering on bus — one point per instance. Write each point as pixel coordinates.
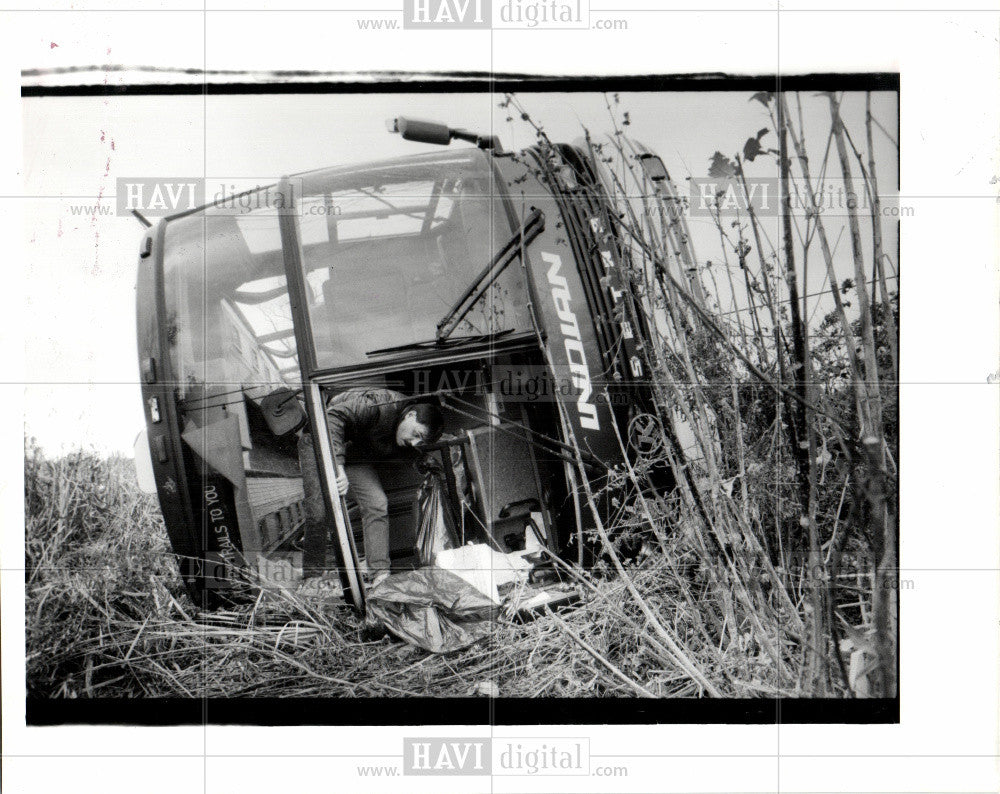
(573, 343)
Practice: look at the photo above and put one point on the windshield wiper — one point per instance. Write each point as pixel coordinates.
(436, 342)
(530, 229)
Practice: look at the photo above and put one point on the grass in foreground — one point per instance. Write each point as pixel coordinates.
(107, 616)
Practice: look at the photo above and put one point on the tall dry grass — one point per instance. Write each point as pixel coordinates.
(786, 496)
(107, 616)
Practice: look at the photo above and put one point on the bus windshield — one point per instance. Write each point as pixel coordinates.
(388, 249)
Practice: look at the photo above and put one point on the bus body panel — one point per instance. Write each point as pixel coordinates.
(579, 371)
(198, 509)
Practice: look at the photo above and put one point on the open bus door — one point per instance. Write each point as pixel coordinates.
(315, 404)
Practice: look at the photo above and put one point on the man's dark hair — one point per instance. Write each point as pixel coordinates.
(430, 416)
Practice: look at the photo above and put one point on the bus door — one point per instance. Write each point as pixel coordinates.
(315, 403)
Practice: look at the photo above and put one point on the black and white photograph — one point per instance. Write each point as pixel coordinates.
(574, 403)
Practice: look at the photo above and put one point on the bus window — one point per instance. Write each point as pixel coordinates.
(229, 317)
(388, 251)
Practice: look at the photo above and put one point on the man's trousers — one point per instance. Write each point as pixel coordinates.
(366, 490)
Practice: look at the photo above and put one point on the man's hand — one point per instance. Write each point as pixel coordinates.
(427, 463)
(342, 482)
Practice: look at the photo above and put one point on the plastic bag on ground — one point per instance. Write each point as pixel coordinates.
(435, 525)
(433, 609)
(484, 568)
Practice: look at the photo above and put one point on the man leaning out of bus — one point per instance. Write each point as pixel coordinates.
(367, 426)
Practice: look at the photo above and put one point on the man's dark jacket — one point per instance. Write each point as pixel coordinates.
(363, 424)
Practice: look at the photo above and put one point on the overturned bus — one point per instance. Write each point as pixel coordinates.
(484, 280)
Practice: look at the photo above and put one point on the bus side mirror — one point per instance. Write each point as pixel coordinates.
(420, 131)
(441, 134)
